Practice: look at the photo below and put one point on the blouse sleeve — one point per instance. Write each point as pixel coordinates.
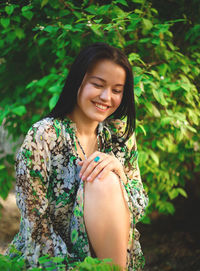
(127, 154)
(36, 236)
(137, 196)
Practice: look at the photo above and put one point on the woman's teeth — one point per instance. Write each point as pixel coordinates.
(101, 106)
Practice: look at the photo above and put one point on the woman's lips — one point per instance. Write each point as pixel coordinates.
(101, 107)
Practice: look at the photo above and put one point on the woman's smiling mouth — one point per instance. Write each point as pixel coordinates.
(101, 107)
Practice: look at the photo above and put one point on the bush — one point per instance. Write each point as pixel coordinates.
(56, 263)
(39, 40)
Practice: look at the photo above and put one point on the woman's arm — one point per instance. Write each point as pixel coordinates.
(36, 236)
(138, 198)
(124, 163)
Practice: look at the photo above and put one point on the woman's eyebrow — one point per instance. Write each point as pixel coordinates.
(96, 77)
(104, 81)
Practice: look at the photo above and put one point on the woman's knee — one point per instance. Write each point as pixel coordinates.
(106, 187)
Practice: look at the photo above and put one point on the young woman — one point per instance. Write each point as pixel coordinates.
(78, 183)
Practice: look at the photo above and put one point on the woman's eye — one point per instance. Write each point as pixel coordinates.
(117, 91)
(97, 85)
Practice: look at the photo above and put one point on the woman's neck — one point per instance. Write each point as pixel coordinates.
(84, 128)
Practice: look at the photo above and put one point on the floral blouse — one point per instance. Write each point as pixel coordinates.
(50, 193)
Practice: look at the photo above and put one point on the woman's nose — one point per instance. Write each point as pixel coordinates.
(105, 94)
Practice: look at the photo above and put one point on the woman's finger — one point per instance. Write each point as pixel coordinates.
(98, 169)
(90, 160)
(106, 170)
(95, 168)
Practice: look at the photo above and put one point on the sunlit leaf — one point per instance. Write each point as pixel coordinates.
(154, 156)
(53, 101)
(19, 110)
(9, 9)
(44, 2)
(158, 94)
(5, 22)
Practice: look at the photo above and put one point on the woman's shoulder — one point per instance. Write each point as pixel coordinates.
(44, 129)
(116, 126)
(47, 124)
(42, 126)
(43, 134)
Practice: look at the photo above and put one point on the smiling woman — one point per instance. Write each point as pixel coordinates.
(78, 183)
(99, 95)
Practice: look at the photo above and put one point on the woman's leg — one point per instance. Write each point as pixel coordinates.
(106, 218)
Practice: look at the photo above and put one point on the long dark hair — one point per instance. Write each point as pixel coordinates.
(84, 61)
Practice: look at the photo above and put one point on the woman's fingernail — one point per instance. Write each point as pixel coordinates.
(89, 178)
(80, 175)
(83, 178)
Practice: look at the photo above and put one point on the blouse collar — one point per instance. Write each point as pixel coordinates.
(72, 125)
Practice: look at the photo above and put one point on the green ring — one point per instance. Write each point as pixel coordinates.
(96, 159)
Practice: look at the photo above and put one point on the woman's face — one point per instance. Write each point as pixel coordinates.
(101, 91)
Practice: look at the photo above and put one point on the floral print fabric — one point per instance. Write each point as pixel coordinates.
(50, 194)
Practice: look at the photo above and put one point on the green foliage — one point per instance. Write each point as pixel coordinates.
(39, 41)
(57, 263)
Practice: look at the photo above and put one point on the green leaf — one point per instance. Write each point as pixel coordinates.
(154, 11)
(147, 24)
(95, 28)
(68, 27)
(182, 192)
(165, 120)
(5, 22)
(138, 91)
(163, 69)
(51, 29)
(103, 9)
(55, 89)
(155, 41)
(92, 9)
(192, 129)
(138, 1)
(145, 40)
(154, 156)
(158, 94)
(19, 32)
(28, 15)
(9, 9)
(26, 8)
(135, 57)
(122, 2)
(152, 109)
(138, 11)
(137, 79)
(155, 111)
(173, 193)
(142, 128)
(11, 36)
(53, 101)
(19, 110)
(169, 207)
(143, 157)
(44, 2)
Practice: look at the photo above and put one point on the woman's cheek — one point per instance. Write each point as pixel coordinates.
(119, 101)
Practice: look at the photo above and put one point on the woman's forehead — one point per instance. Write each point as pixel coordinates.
(107, 70)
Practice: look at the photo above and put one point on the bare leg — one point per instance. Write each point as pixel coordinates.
(106, 218)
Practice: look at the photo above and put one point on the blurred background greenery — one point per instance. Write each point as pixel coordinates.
(39, 40)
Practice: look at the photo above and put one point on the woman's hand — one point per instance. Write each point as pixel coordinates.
(98, 165)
